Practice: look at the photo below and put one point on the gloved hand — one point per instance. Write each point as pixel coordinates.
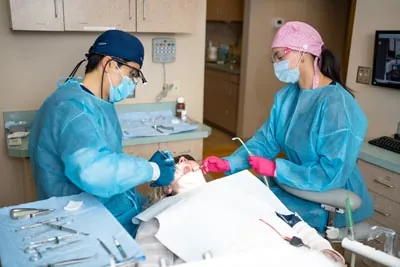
(166, 163)
(262, 166)
(215, 164)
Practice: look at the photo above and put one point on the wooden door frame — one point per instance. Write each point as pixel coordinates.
(349, 34)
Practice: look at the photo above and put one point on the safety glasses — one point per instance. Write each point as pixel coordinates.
(134, 73)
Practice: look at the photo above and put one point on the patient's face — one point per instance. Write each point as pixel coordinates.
(187, 176)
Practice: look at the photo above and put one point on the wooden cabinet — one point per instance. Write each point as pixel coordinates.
(166, 15)
(95, 15)
(384, 187)
(37, 15)
(159, 16)
(221, 97)
(225, 10)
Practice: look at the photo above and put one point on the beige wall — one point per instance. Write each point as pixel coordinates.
(258, 82)
(31, 62)
(382, 105)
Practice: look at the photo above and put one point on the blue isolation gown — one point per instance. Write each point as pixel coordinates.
(75, 145)
(321, 132)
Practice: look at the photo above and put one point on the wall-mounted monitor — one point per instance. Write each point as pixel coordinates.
(386, 70)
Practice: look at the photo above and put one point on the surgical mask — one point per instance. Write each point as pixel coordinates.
(284, 73)
(121, 91)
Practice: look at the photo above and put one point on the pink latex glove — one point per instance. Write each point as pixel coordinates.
(262, 166)
(215, 164)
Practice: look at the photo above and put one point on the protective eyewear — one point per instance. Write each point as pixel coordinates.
(134, 73)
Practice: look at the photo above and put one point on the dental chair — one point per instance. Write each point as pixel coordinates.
(334, 201)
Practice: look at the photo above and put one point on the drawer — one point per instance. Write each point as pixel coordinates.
(387, 212)
(144, 151)
(193, 148)
(381, 181)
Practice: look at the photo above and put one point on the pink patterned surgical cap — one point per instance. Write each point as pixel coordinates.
(302, 37)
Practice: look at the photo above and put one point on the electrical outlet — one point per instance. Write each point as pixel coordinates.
(363, 75)
(176, 89)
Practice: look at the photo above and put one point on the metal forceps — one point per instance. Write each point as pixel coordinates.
(25, 213)
(157, 128)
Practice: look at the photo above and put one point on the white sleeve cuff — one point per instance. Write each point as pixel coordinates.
(156, 171)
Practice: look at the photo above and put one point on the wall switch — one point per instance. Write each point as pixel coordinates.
(363, 75)
(176, 89)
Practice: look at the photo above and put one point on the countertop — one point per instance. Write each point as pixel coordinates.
(230, 68)
(203, 131)
(380, 157)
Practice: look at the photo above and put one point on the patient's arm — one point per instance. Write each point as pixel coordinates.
(311, 238)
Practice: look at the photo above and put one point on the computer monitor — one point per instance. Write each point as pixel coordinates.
(386, 69)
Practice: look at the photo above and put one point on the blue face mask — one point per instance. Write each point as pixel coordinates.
(284, 73)
(121, 91)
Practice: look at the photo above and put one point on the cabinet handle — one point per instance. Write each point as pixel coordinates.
(382, 212)
(130, 9)
(55, 9)
(379, 181)
(144, 9)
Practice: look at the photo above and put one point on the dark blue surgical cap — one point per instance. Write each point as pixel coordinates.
(120, 44)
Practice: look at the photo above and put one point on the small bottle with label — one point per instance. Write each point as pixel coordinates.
(180, 107)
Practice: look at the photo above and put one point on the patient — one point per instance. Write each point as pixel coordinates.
(188, 176)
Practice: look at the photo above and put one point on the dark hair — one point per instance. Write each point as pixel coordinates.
(93, 62)
(330, 68)
(186, 156)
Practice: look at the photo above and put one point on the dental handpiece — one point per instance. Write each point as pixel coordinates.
(264, 178)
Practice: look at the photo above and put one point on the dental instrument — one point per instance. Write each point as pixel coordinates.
(38, 224)
(27, 213)
(39, 254)
(107, 249)
(44, 231)
(55, 239)
(265, 179)
(66, 229)
(71, 261)
(120, 248)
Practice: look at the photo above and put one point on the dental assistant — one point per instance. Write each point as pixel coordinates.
(75, 143)
(315, 120)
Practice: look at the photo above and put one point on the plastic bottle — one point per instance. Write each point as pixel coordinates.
(180, 106)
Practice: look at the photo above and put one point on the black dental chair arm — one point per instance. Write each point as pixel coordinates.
(333, 198)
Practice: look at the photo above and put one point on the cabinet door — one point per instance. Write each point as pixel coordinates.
(225, 10)
(100, 15)
(221, 96)
(37, 15)
(175, 16)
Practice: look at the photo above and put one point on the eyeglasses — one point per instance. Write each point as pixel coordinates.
(279, 55)
(134, 73)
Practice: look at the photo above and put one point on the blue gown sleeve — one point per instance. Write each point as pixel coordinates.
(262, 144)
(338, 145)
(89, 162)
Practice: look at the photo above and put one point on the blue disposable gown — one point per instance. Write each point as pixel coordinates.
(321, 132)
(75, 145)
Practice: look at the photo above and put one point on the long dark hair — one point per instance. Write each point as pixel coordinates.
(330, 67)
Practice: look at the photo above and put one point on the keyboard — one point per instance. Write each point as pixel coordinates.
(386, 142)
